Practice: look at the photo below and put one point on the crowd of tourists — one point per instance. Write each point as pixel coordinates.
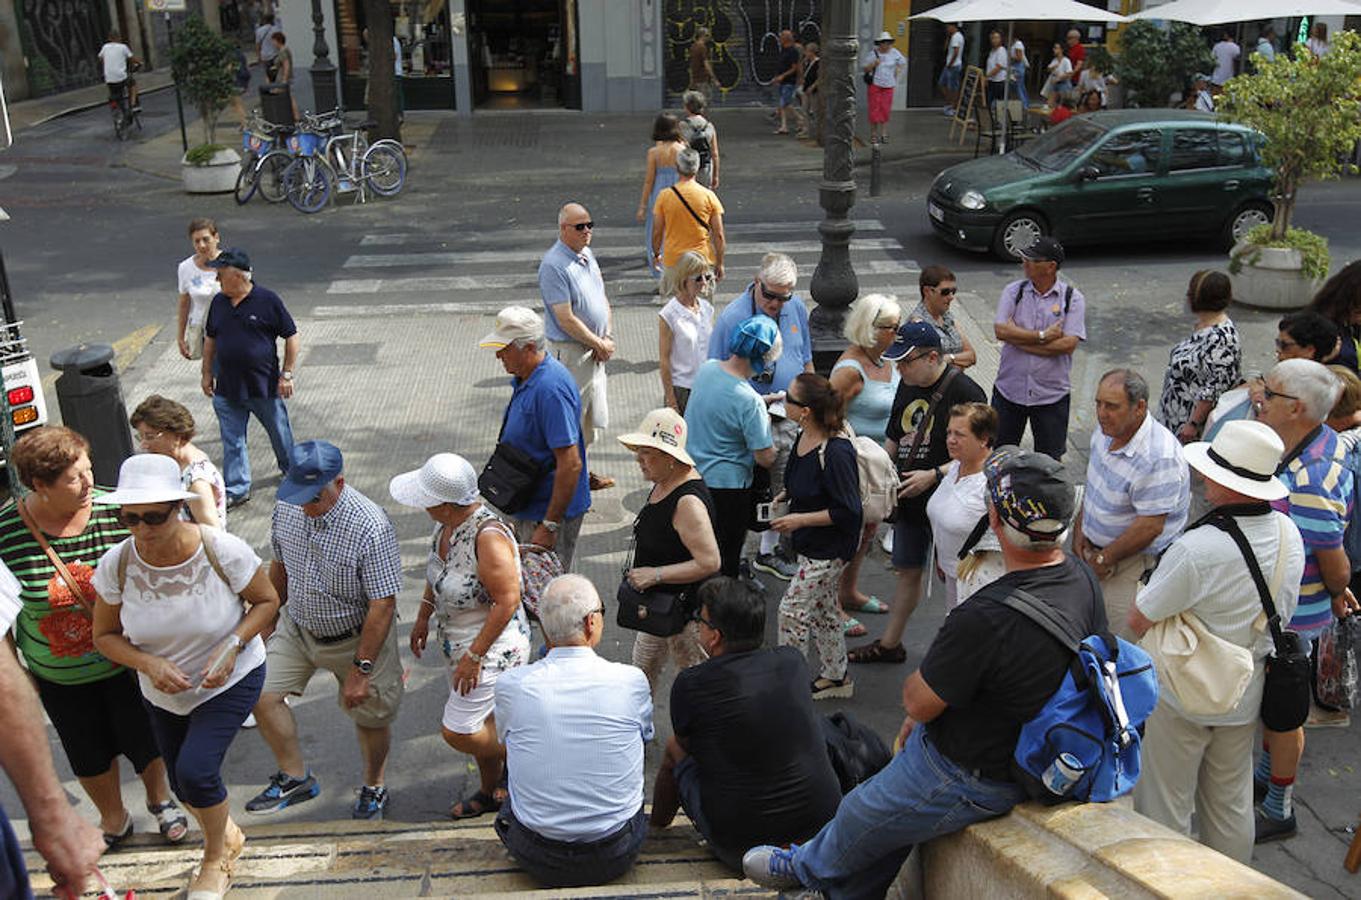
(151, 632)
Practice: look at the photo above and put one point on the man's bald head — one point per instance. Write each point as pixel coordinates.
(574, 226)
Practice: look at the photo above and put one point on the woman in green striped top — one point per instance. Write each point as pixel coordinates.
(95, 705)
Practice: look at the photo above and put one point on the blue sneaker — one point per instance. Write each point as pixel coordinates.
(283, 792)
(771, 867)
(371, 803)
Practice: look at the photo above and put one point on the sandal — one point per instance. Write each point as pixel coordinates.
(873, 605)
(851, 627)
(112, 840)
(173, 823)
(228, 867)
(833, 689)
(474, 806)
(875, 652)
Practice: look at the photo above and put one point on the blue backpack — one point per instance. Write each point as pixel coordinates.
(1094, 718)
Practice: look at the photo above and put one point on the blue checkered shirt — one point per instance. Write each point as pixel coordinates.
(337, 562)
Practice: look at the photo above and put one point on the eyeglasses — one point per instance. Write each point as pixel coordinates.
(703, 621)
(1268, 393)
(145, 438)
(913, 357)
(892, 327)
(702, 278)
(582, 226)
(778, 298)
(130, 520)
(1285, 344)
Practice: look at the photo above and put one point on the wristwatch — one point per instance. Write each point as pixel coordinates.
(550, 526)
(365, 666)
(475, 657)
(286, 374)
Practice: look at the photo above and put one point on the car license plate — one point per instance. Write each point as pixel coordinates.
(936, 212)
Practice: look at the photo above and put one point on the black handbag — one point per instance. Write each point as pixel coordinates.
(510, 476)
(869, 77)
(661, 610)
(1285, 699)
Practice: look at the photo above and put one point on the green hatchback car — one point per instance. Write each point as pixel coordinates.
(1119, 175)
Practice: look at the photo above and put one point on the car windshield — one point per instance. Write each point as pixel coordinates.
(1055, 149)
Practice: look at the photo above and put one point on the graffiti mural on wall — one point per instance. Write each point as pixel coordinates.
(744, 41)
(61, 39)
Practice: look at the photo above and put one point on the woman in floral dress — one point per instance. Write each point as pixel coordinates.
(1204, 365)
(472, 590)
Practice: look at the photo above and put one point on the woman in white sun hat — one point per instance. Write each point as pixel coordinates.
(170, 607)
(472, 589)
(674, 535)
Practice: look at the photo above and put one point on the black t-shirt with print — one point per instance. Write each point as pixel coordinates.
(909, 409)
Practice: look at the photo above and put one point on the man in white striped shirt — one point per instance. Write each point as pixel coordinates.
(1138, 491)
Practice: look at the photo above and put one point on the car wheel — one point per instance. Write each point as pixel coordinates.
(1017, 231)
(1243, 221)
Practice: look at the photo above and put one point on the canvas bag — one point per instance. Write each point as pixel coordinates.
(878, 476)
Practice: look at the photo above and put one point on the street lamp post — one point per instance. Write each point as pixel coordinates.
(834, 284)
(324, 95)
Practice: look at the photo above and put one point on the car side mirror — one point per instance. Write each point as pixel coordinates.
(1088, 173)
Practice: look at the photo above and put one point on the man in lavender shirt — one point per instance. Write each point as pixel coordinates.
(1040, 321)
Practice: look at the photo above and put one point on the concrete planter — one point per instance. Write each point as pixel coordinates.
(218, 176)
(1270, 278)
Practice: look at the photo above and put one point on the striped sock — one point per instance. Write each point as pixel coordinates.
(1262, 773)
(1278, 803)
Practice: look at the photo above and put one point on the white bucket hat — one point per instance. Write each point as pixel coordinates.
(1243, 458)
(662, 429)
(884, 37)
(147, 478)
(445, 478)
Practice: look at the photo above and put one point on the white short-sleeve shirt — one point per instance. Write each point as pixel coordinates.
(201, 287)
(10, 604)
(115, 57)
(690, 331)
(954, 51)
(183, 612)
(954, 510)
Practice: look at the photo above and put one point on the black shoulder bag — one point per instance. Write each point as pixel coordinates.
(661, 610)
(510, 476)
(694, 215)
(1285, 701)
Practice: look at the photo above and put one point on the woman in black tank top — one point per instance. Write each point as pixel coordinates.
(674, 534)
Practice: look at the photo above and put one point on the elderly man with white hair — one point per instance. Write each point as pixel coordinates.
(573, 725)
(688, 216)
(1297, 397)
(771, 294)
(241, 371)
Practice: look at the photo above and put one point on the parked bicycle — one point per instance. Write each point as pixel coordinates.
(327, 161)
(263, 161)
(125, 115)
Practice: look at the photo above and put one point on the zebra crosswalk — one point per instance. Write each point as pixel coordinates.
(404, 272)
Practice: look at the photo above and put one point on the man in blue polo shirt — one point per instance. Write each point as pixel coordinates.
(241, 368)
(543, 420)
(577, 319)
(771, 294)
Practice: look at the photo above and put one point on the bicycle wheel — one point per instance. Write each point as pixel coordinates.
(120, 125)
(307, 182)
(384, 169)
(269, 172)
(247, 180)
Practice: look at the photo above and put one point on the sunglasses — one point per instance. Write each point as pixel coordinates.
(582, 226)
(778, 298)
(701, 279)
(130, 520)
(947, 292)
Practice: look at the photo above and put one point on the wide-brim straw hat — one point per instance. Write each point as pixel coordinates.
(1243, 457)
(662, 429)
(147, 478)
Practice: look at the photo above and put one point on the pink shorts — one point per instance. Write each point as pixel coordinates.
(881, 99)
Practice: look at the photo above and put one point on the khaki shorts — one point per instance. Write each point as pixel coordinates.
(293, 657)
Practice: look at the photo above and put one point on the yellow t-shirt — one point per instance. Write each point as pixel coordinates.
(680, 231)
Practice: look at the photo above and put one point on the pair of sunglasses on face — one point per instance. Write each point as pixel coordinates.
(129, 520)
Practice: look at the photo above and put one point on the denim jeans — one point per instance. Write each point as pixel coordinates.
(1048, 424)
(232, 418)
(919, 795)
(691, 798)
(557, 864)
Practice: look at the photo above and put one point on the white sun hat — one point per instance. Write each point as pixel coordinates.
(662, 429)
(445, 478)
(147, 478)
(1243, 458)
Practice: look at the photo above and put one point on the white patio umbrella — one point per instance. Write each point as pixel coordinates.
(1220, 12)
(1012, 11)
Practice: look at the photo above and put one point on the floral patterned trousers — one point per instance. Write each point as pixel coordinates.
(650, 652)
(809, 609)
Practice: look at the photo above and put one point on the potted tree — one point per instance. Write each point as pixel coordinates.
(1153, 63)
(203, 64)
(1309, 110)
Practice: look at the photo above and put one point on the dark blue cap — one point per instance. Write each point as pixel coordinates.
(912, 335)
(234, 257)
(314, 465)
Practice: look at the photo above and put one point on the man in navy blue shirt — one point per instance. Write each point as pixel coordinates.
(544, 421)
(241, 368)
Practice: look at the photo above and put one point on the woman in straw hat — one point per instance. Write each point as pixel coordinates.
(472, 588)
(170, 607)
(674, 534)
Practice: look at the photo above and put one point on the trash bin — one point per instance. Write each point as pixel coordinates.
(276, 102)
(91, 401)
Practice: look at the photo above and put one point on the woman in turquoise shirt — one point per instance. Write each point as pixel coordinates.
(868, 382)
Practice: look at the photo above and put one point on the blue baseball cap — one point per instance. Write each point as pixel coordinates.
(753, 341)
(314, 465)
(912, 335)
(232, 256)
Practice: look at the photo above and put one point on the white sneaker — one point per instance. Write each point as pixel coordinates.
(250, 721)
(887, 541)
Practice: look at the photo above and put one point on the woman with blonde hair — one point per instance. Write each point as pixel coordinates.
(684, 325)
(868, 384)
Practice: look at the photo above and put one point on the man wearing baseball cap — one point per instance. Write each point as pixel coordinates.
(338, 569)
(929, 387)
(241, 370)
(1040, 321)
(543, 420)
(988, 671)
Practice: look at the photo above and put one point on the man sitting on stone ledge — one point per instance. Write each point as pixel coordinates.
(573, 725)
(989, 670)
(748, 760)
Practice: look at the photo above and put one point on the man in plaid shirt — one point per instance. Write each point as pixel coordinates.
(338, 569)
